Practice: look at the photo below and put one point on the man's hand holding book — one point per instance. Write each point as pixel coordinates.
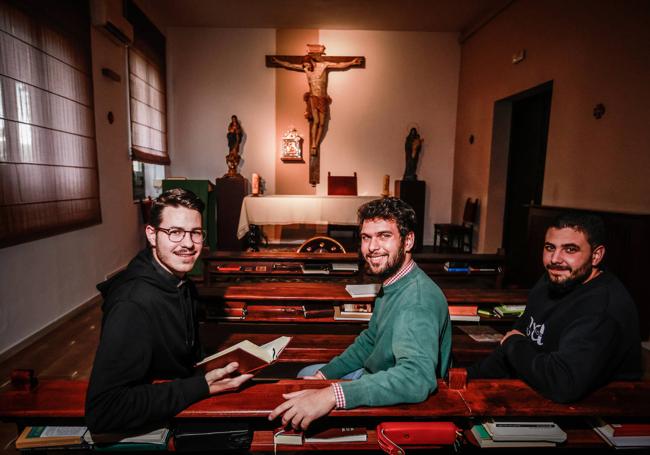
(219, 379)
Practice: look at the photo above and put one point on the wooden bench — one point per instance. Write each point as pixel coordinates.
(54, 401)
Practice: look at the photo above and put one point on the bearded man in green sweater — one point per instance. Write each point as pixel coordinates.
(407, 344)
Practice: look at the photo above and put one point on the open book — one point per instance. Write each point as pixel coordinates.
(250, 356)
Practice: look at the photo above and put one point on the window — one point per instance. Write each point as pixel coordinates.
(148, 104)
(48, 159)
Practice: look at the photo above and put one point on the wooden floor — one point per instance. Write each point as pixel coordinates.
(69, 351)
(66, 352)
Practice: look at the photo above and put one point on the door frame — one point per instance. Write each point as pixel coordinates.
(498, 174)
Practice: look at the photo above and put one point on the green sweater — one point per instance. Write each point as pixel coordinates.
(406, 346)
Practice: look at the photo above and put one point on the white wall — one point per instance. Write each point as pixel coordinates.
(213, 74)
(410, 79)
(45, 279)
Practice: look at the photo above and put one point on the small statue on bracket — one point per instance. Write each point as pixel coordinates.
(412, 148)
(234, 141)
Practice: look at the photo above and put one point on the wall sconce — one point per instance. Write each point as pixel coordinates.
(519, 56)
(599, 111)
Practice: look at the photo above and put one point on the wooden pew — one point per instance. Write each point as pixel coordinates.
(275, 308)
(308, 348)
(55, 400)
(233, 266)
(335, 292)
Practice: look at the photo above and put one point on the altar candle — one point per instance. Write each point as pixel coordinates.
(385, 191)
(255, 184)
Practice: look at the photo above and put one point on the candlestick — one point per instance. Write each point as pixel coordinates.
(385, 192)
(255, 183)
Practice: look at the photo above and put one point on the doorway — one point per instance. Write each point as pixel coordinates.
(529, 120)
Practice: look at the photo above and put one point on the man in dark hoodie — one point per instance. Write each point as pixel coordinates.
(580, 329)
(149, 328)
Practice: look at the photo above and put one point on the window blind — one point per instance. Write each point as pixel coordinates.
(48, 159)
(147, 90)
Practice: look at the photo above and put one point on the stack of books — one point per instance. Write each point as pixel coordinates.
(628, 434)
(467, 313)
(345, 267)
(509, 310)
(363, 290)
(353, 312)
(518, 433)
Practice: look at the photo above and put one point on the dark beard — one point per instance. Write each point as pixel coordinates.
(556, 290)
(391, 269)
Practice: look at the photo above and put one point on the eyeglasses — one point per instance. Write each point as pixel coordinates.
(177, 235)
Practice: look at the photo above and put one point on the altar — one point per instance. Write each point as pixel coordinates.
(290, 209)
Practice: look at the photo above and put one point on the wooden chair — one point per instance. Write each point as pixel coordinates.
(459, 238)
(342, 185)
(321, 244)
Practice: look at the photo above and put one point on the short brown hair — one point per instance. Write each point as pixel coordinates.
(176, 197)
(392, 209)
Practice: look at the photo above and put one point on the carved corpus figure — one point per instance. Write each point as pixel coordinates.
(316, 67)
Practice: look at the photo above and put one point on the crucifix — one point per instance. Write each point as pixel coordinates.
(316, 66)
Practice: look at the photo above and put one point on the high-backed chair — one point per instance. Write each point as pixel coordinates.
(342, 185)
(459, 238)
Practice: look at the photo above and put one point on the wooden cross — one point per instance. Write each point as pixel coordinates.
(316, 66)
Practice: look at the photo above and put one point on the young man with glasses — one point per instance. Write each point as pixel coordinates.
(150, 330)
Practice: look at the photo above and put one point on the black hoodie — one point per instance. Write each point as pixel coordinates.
(149, 332)
(573, 343)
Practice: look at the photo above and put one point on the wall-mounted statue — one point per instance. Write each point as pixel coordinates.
(412, 149)
(234, 136)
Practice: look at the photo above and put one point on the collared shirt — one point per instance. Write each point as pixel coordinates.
(403, 270)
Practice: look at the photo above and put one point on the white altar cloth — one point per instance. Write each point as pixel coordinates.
(288, 209)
